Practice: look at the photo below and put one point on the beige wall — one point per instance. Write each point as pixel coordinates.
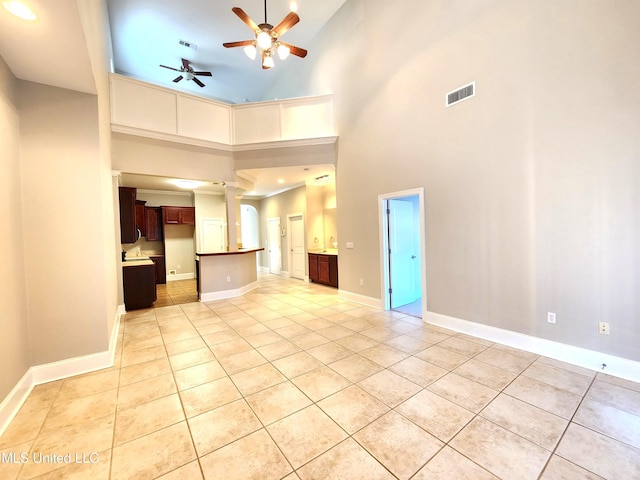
(59, 301)
(14, 341)
(531, 187)
(62, 202)
(290, 202)
(156, 157)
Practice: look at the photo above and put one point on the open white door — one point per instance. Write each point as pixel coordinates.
(274, 246)
(296, 247)
(402, 255)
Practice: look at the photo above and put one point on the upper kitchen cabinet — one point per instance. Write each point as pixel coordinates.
(153, 223)
(128, 229)
(179, 215)
(141, 221)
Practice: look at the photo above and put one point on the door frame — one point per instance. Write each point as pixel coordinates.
(305, 276)
(384, 243)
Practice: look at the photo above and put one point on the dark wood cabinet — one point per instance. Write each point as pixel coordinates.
(139, 283)
(179, 215)
(323, 269)
(153, 223)
(128, 230)
(161, 273)
(141, 221)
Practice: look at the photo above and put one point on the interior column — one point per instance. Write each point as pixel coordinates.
(232, 216)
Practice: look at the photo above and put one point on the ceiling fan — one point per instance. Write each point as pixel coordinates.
(187, 70)
(267, 38)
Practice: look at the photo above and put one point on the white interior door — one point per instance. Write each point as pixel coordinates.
(296, 247)
(212, 238)
(403, 264)
(274, 246)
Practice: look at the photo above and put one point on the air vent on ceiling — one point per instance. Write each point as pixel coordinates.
(184, 43)
(460, 94)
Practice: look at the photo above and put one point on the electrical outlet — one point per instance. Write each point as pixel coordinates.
(361, 281)
(228, 278)
(603, 328)
(551, 317)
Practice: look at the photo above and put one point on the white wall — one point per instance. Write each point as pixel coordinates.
(531, 187)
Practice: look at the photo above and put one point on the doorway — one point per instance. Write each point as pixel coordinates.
(403, 253)
(296, 246)
(250, 226)
(274, 245)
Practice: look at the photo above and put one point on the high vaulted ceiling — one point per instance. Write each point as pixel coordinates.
(147, 33)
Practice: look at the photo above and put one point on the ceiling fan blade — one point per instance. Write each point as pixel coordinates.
(245, 18)
(177, 79)
(197, 82)
(205, 74)
(185, 63)
(297, 51)
(243, 43)
(285, 24)
(170, 68)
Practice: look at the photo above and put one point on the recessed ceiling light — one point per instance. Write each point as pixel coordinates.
(19, 9)
(281, 180)
(187, 183)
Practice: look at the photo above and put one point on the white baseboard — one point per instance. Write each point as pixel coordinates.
(12, 402)
(590, 359)
(50, 372)
(356, 297)
(180, 276)
(223, 294)
(263, 269)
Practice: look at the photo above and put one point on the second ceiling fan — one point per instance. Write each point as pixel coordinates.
(267, 38)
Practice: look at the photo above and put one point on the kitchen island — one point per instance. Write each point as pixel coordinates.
(223, 275)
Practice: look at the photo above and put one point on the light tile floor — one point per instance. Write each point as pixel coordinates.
(293, 382)
(176, 293)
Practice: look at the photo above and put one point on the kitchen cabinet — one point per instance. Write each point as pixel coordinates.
(153, 223)
(161, 273)
(179, 215)
(141, 221)
(323, 269)
(139, 282)
(128, 229)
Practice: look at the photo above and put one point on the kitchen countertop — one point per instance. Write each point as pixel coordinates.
(137, 261)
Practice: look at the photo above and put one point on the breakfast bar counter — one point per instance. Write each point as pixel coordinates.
(223, 275)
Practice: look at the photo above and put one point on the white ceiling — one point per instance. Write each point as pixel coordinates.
(145, 33)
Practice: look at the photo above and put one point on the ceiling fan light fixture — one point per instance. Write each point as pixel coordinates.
(283, 51)
(268, 61)
(264, 40)
(251, 51)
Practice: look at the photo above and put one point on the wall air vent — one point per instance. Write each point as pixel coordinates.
(460, 94)
(184, 43)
